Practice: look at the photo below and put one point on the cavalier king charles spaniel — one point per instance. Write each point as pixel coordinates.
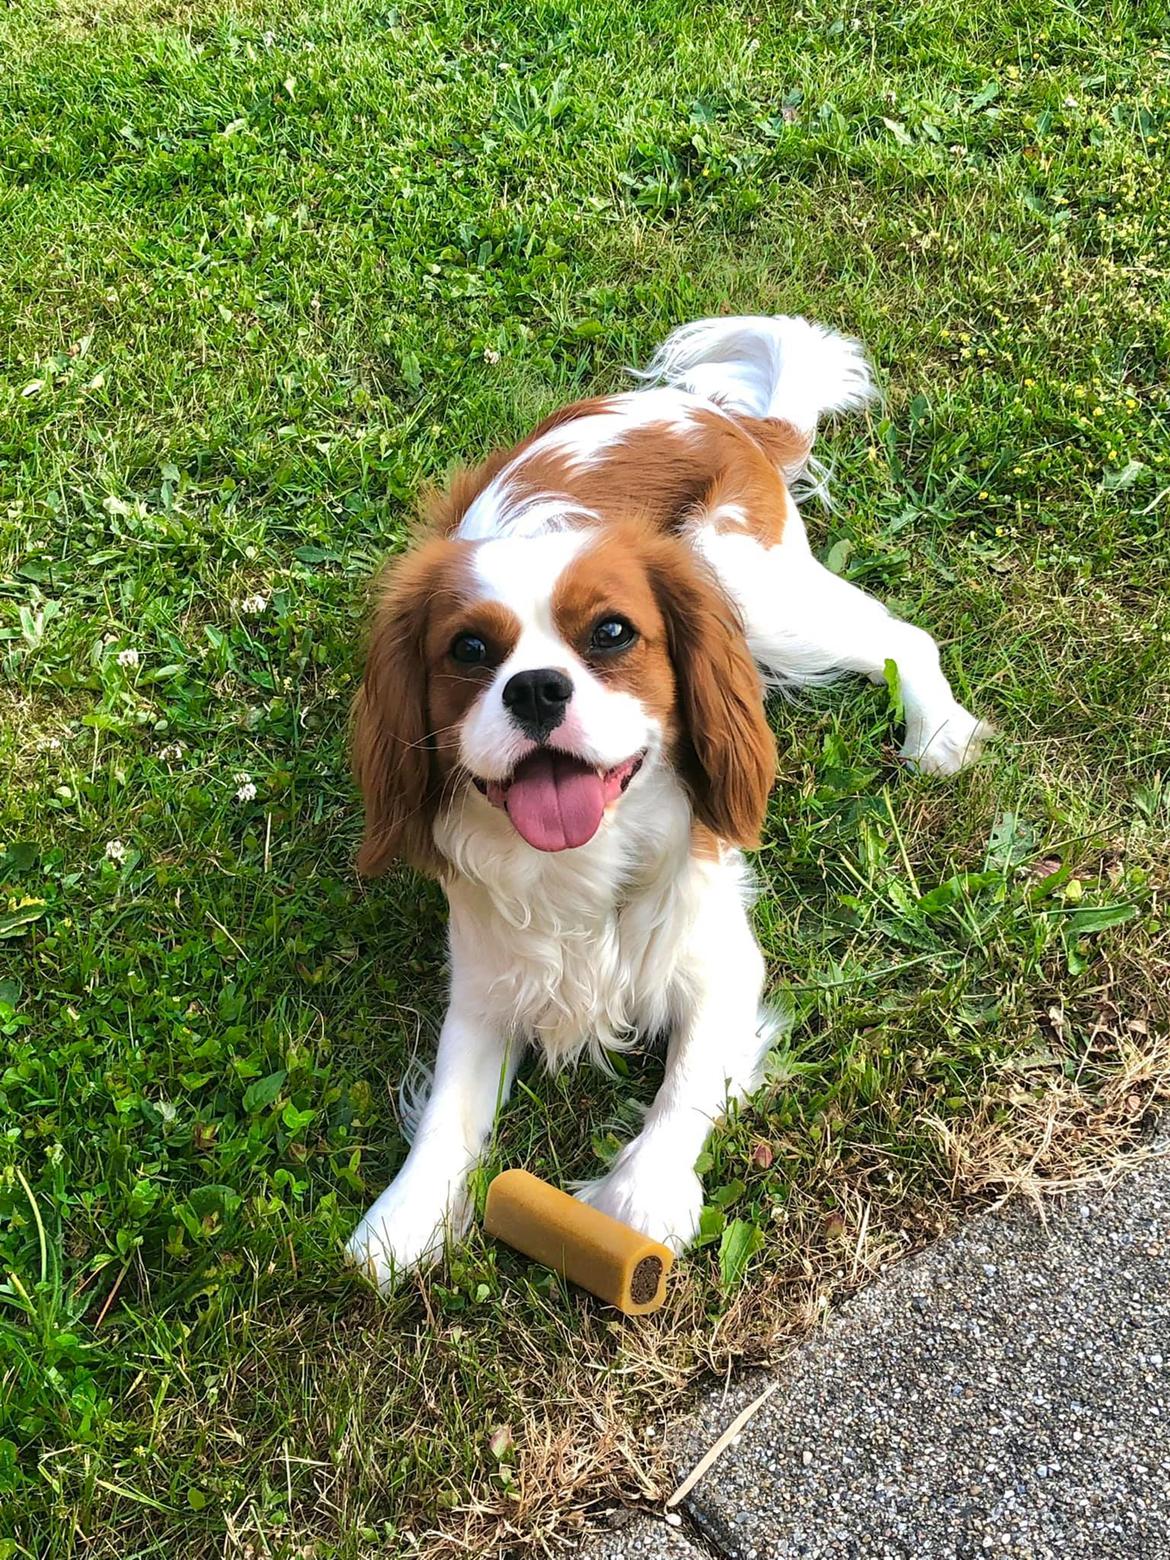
(562, 720)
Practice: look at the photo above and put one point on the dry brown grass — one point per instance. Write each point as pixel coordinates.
(1044, 1134)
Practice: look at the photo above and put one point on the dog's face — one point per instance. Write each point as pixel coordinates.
(541, 676)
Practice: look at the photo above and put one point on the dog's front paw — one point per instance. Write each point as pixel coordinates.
(944, 743)
(406, 1228)
(651, 1194)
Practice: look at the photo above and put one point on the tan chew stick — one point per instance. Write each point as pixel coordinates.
(608, 1258)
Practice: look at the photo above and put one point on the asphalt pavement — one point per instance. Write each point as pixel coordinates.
(1004, 1394)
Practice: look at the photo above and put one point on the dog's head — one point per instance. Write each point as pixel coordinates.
(542, 676)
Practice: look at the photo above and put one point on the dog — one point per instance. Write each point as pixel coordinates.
(562, 720)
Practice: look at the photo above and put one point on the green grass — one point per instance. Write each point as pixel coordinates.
(263, 272)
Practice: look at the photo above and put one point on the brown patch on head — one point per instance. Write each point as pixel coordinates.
(611, 579)
(414, 696)
(689, 665)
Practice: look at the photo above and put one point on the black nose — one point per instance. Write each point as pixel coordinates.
(536, 700)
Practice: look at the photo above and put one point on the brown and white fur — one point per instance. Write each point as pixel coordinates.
(562, 720)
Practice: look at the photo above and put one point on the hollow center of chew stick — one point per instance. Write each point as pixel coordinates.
(644, 1280)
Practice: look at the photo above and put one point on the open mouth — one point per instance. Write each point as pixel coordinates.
(557, 801)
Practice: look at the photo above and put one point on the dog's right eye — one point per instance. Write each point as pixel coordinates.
(468, 649)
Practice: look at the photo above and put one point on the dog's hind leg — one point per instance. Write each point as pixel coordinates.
(806, 625)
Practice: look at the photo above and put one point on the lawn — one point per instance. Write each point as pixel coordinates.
(264, 272)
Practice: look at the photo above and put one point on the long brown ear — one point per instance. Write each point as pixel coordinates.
(392, 744)
(728, 753)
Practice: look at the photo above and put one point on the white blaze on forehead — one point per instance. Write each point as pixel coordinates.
(521, 572)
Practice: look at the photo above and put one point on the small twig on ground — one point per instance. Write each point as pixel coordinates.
(720, 1446)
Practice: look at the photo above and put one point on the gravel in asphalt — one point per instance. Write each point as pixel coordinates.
(1004, 1395)
(643, 1538)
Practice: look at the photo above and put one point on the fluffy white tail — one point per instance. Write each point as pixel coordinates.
(765, 366)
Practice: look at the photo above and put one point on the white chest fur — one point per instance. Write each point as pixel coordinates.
(579, 949)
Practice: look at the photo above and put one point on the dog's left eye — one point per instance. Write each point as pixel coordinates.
(613, 633)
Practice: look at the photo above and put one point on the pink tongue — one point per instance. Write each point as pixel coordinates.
(555, 802)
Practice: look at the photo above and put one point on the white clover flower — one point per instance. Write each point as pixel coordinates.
(115, 851)
(253, 606)
(246, 793)
(172, 753)
(128, 658)
(490, 355)
(50, 744)
(241, 777)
